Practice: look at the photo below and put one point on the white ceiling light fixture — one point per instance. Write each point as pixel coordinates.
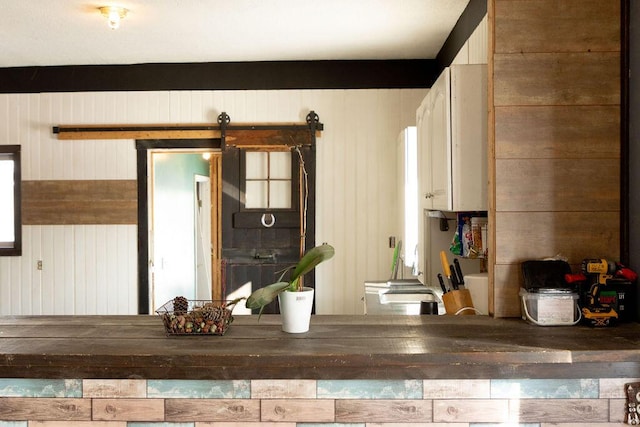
(114, 15)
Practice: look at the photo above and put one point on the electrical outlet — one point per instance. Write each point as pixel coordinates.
(39, 264)
(392, 242)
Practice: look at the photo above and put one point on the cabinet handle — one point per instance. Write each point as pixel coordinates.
(429, 196)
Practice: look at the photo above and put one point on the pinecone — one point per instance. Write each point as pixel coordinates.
(212, 312)
(180, 305)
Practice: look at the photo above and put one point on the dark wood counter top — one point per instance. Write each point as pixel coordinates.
(336, 347)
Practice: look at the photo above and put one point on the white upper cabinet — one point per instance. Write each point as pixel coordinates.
(452, 141)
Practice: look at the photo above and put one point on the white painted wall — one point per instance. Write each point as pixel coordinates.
(92, 269)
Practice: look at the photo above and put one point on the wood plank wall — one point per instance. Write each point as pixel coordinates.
(555, 111)
(54, 202)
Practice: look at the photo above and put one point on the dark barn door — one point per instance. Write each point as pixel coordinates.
(261, 214)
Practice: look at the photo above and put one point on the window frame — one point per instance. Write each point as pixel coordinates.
(13, 153)
(284, 217)
(295, 178)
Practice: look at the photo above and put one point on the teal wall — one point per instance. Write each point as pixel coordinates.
(173, 220)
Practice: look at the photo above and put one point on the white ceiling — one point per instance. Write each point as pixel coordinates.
(73, 32)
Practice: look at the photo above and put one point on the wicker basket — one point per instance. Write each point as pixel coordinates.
(202, 317)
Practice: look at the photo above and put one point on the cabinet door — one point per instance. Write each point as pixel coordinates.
(469, 137)
(439, 140)
(424, 153)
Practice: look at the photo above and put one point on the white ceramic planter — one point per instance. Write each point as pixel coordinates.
(295, 310)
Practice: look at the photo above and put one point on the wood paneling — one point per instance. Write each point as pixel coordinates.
(127, 409)
(575, 132)
(574, 235)
(383, 411)
(231, 410)
(557, 78)
(507, 284)
(555, 136)
(79, 202)
(17, 408)
(557, 26)
(114, 388)
(580, 411)
(557, 185)
(299, 410)
(477, 411)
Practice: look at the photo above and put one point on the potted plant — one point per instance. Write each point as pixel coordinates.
(294, 298)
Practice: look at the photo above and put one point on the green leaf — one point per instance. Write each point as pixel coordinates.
(264, 296)
(311, 259)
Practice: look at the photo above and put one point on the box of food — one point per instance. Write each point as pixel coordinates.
(181, 316)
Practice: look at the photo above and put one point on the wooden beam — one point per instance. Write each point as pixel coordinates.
(175, 131)
(236, 134)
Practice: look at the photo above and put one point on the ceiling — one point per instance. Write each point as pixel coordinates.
(73, 32)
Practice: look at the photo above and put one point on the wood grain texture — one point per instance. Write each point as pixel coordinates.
(477, 411)
(78, 424)
(381, 411)
(507, 284)
(576, 132)
(265, 138)
(336, 347)
(128, 409)
(557, 26)
(139, 134)
(491, 154)
(114, 388)
(557, 79)
(574, 235)
(283, 389)
(556, 136)
(236, 410)
(79, 202)
(535, 185)
(303, 410)
(561, 410)
(456, 389)
(52, 409)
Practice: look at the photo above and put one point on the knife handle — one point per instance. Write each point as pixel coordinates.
(442, 285)
(458, 271)
(454, 278)
(445, 264)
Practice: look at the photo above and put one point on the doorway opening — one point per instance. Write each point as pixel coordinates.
(178, 221)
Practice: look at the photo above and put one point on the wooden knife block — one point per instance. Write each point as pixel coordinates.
(455, 301)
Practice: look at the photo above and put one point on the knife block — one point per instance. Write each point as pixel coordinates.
(458, 302)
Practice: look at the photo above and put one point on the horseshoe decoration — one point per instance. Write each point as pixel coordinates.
(264, 222)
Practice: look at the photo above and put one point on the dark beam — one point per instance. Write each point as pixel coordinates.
(220, 76)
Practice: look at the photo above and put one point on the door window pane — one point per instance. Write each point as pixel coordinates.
(280, 165)
(268, 180)
(256, 195)
(280, 194)
(257, 165)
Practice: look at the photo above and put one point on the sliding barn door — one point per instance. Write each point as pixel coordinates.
(262, 208)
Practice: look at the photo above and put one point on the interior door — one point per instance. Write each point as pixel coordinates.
(261, 231)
